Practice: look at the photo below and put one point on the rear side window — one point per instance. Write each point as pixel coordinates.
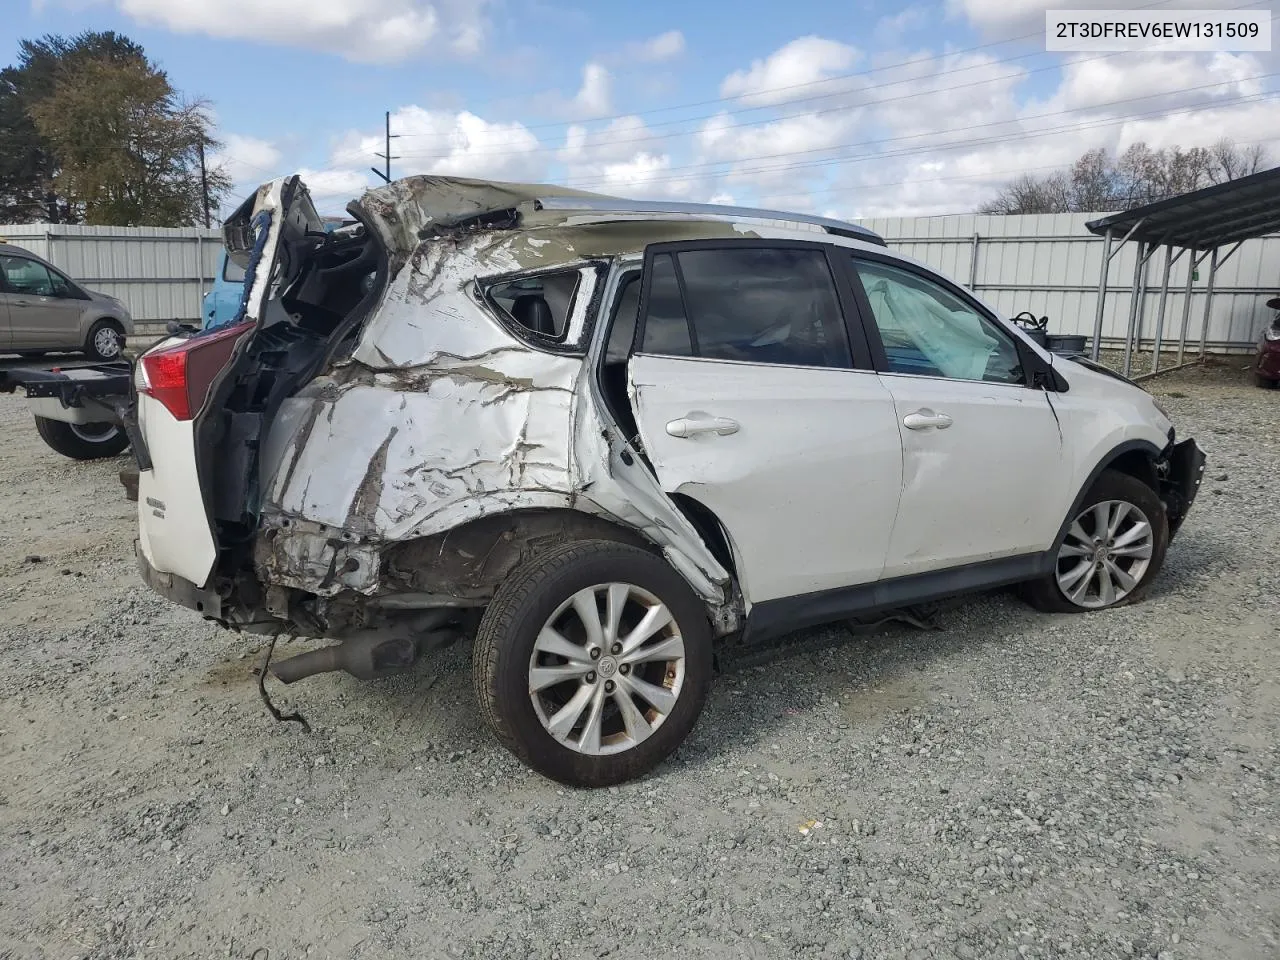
(540, 304)
(749, 304)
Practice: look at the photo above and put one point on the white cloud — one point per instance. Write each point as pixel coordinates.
(665, 46)
(611, 161)
(446, 143)
(247, 160)
(331, 190)
(370, 31)
(594, 96)
(801, 61)
(889, 29)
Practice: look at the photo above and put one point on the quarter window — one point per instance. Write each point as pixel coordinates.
(928, 331)
(750, 304)
(540, 304)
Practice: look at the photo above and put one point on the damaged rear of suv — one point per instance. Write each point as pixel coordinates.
(595, 435)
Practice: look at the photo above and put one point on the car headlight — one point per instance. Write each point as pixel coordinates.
(1272, 332)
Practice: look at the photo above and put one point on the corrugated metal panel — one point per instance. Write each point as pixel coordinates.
(1049, 264)
(161, 273)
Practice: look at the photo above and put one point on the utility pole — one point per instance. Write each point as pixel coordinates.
(204, 182)
(386, 177)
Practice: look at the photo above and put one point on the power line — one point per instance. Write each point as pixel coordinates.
(985, 175)
(796, 86)
(1251, 98)
(964, 129)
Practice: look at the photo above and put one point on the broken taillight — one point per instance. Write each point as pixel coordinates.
(180, 376)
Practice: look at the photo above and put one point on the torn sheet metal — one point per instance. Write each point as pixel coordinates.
(443, 416)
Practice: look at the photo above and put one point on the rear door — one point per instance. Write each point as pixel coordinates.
(984, 465)
(44, 309)
(752, 399)
(175, 532)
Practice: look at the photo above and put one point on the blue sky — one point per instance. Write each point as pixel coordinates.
(852, 108)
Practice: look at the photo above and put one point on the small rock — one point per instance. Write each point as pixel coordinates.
(1220, 477)
(166, 846)
(226, 808)
(33, 558)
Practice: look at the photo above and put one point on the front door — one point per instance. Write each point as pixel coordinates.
(44, 309)
(752, 400)
(983, 457)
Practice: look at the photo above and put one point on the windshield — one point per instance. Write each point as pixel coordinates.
(232, 272)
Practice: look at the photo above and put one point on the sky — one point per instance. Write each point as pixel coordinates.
(858, 108)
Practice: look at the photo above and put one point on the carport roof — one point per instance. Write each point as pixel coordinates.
(1204, 219)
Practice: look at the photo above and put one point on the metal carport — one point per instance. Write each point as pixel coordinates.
(1200, 224)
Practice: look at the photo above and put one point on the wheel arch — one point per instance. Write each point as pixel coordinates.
(1136, 458)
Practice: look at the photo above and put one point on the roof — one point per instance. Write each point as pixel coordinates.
(412, 208)
(1204, 219)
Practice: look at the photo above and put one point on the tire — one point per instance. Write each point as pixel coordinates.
(1049, 593)
(97, 344)
(83, 441)
(1266, 383)
(510, 645)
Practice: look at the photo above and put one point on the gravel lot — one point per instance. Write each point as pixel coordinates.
(1013, 785)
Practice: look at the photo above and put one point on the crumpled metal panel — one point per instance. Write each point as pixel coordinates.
(442, 415)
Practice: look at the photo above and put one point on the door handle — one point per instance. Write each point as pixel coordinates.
(923, 419)
(693, 426)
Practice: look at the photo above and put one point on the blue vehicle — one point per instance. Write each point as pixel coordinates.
(223, 299)
(222, 302)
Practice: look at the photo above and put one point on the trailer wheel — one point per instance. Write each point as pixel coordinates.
(83, 441)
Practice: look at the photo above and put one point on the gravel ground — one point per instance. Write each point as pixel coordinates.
(1013, 785)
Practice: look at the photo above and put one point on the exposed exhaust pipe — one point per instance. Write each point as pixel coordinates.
(369, 654)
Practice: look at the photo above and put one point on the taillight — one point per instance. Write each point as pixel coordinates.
(180, 376)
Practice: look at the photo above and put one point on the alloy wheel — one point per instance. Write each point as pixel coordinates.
(607, 669)
(1105, 554)
(107, 343)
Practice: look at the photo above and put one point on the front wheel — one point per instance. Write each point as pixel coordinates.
(1111, 551)
(83, 441)
(593, 662)
(1266, 383)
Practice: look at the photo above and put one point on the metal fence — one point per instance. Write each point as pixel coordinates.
(161, 273)
(1047, 264)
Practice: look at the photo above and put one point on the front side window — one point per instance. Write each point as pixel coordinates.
(750, 304)
(33, 279)
(928, 331)
(540, 304)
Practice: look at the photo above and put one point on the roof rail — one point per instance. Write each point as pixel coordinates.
(838, 228)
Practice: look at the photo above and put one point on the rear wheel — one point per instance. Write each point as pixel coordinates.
(105, 340)
(83, 441)
(1111, 551)
(593, 662)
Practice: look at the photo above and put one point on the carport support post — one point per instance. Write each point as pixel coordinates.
(1164, 299)
(1192, 263)
(1139, 262)
(1208, 301)
(1102, 294)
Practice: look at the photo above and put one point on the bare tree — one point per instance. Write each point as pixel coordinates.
(1099, 182)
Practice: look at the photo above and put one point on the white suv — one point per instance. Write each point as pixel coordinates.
(598, 435)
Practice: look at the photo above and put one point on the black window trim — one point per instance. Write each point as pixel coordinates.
(857, 342)
(558, 345)
(1027, 359)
